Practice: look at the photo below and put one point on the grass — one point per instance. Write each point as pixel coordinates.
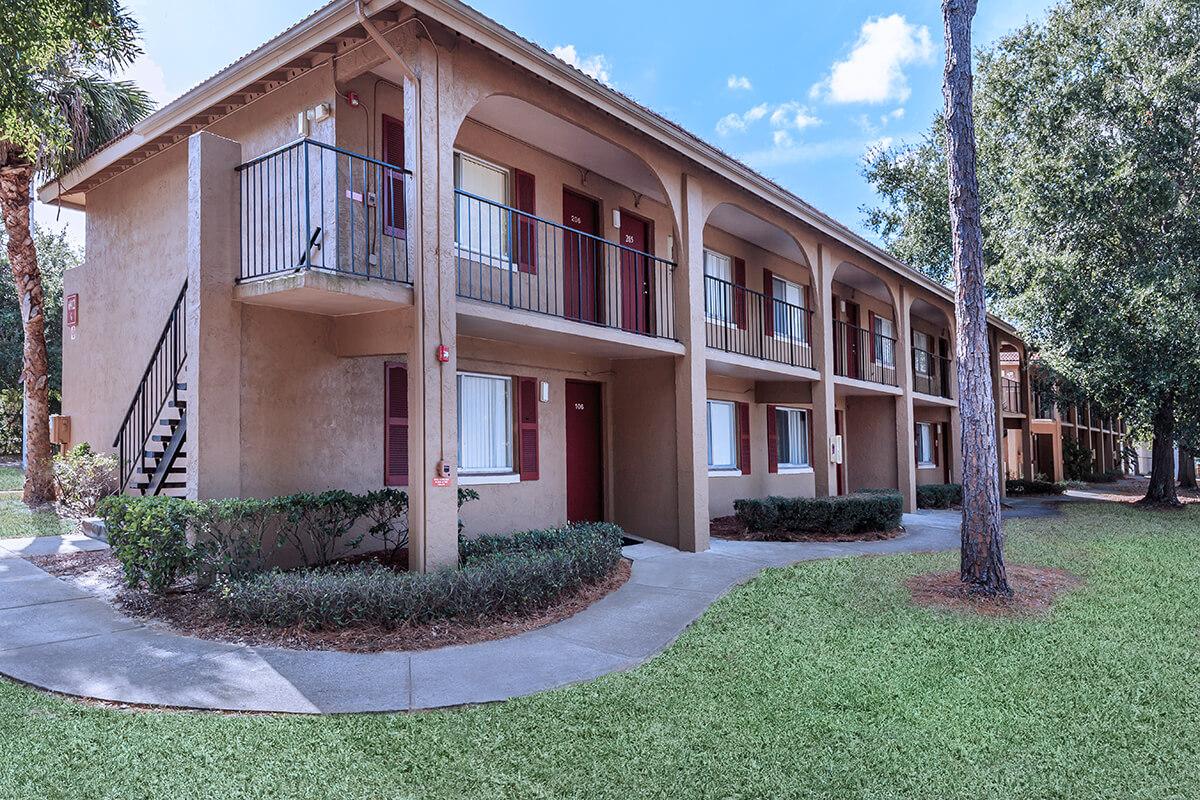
(11, 479)
(815, 681)
(16, 520)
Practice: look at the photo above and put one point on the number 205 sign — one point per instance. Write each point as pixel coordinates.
(71, 309)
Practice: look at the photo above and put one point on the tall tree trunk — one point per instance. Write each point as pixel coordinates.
(1187, 469)
(1161, 491)
(982, 557)
(22, 257)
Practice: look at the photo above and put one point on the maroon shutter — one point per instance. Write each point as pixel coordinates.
(739, 292)
(527, 428)
(772, 441)
(871, 332)
(808, 315)
(769, 302)
(393, 183)
(395, 437)
(808, 418)
(917, 443)
(743, 423)
(526, 239)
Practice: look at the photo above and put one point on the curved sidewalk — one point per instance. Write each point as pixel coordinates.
(58, 637)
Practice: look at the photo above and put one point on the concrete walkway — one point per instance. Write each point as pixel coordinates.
(57, 637)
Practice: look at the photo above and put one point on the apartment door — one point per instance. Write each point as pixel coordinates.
(839, 429)
(585, 453)
(636, 293)
(582, 264)
(852, 346)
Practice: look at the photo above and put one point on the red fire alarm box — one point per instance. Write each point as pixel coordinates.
(443, 353)
(71, 310)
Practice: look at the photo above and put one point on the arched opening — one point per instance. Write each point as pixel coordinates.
(864, 326)
(934, 440)
(931, 349)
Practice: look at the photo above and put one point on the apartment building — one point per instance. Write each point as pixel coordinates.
(400, 245)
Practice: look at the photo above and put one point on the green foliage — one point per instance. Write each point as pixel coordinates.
(317, 526)
(84, 478)
(465, 496)
(867, 511)
(522, 573)
(1021, 487)
(939, 495)
(11, 405)
(148, 536)
(56, 255)
(1077, 459)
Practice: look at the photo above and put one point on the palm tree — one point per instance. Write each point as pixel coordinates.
(59, 106)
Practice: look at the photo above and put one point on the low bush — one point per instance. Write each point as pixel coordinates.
(939, 495)
(1107, 476)
(148, 536)
(1021, 487)
(498, 575)
(84, 478)
(877, 510)
(1077, 459)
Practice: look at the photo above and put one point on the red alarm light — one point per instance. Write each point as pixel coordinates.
(443, 353)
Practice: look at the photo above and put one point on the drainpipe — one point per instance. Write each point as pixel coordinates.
(393, 55)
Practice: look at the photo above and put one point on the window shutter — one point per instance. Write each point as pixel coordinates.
(808, 316)
(935, 443)
(526, 201)
(394, 218)
(871, 332)
(739, 292)
(917, 443)
(527, 427)
(808, 419)
(769, 303)
(743, 423)
(772, 441)
(395, 437)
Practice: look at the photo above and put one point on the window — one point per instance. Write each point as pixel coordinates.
(791, 431)
(789, 319)
(922, 353)
(481, 224)
(924, 445)
(722, 435)
(885, 342)
(484, 424)
(718, 296)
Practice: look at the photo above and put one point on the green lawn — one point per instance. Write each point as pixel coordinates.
(17, 520)
(814, 681)
(11, 479)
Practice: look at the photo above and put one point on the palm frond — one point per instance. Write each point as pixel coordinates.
(96, 111)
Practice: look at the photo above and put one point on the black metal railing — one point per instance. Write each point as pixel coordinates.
(746, 322)
(931, 373)
(310, 205)
(514, 259)
(1043, 405)
(1010, 396)
(863, 355)
(159, 384)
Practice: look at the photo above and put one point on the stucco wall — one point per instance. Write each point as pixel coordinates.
(645, 460)
(870, 442)
(934, 414)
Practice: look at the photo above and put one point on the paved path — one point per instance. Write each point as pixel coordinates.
(55, 636)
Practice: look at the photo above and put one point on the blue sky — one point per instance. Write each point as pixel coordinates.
(799, 90)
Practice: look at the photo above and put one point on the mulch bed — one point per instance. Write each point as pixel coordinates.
(733, 529)
(1034, 591)
(192, 613)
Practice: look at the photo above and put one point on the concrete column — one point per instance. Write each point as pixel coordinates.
(214, 320)
(906, 466)
(955, 434)
(433, 387)
(691, 380)
(1027, 454)
(824, 470)
(994, 356)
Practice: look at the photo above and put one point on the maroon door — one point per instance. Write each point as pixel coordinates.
(636, 293)
(581, 259)
(585, 464)
(853, 341)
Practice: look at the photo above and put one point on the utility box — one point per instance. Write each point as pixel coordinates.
(60, 429)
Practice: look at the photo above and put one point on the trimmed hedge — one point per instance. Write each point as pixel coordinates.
(1020, 487)
(939, 495)
(864, 512)
(498, 575)
(1107, 476)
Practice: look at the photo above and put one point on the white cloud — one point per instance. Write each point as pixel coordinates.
(737, 82)
(782, 139)
(874, 70)
(733, 122)
(596, 66)
(793, 115)
(149, 76)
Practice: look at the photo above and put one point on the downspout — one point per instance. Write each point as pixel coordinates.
(393, 55)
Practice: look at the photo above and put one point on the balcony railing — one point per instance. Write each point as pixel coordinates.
(514, 259)
(863, 355)
(1010, 396)
(931, 373)
(1043, 405)
(310, 205)
(746, 322)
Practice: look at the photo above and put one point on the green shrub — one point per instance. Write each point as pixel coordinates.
(1107, 476)
(522, 573)
(939, 495)
(1021, 487)
(148, 536)
(11, 412)
(84, 478)
(1077, 459)
(863, 512)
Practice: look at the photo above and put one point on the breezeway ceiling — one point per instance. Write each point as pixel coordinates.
(861, 280)
(757, 231)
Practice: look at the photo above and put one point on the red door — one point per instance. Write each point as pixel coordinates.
(581, 259)
(636, 308)
(853, 341)
(585, 464)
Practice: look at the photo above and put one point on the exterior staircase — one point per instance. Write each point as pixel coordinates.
(151, 442)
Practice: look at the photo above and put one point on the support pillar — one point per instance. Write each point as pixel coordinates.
(906, 464)
(824, 402)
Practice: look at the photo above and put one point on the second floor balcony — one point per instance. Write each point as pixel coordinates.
(931, 373)
(746, 322)
(1011, 401)
(864, 355)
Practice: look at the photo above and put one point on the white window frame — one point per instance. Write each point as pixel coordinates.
(792, 336)
(925, 436)
(505, 473)
(731, 469)
(727, 305)
(885, 346)
(503, 259)
(923, 341)
(792, 466)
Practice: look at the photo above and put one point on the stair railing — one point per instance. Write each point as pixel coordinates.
(159, 384)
